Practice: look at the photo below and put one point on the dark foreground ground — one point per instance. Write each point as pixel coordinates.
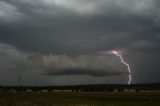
(80, 99)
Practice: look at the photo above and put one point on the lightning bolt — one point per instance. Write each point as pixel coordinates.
(125, 63)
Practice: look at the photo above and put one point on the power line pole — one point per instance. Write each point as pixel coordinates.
(19, 82)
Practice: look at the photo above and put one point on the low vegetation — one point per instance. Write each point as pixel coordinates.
(79, 99)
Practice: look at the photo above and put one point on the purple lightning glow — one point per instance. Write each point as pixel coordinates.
(125, 63)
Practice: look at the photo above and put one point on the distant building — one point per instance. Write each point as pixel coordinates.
(129, 90)
(44, 90)
(28, 90)
(115, 90)
(61, 90)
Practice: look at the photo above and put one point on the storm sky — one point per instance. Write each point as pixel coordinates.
(58, 42)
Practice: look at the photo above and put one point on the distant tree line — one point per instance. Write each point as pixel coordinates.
(84, 88)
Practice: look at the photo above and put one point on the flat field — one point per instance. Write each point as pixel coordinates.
(79, 99)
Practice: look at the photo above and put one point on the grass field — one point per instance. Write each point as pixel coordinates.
(79, 99)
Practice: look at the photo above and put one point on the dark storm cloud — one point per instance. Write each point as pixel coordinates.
(82, 27)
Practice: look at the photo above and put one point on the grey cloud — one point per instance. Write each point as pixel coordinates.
(58, 64)
(80, 27)
(115, 24)
(9, 13)
(143, 44)
(81, 65)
